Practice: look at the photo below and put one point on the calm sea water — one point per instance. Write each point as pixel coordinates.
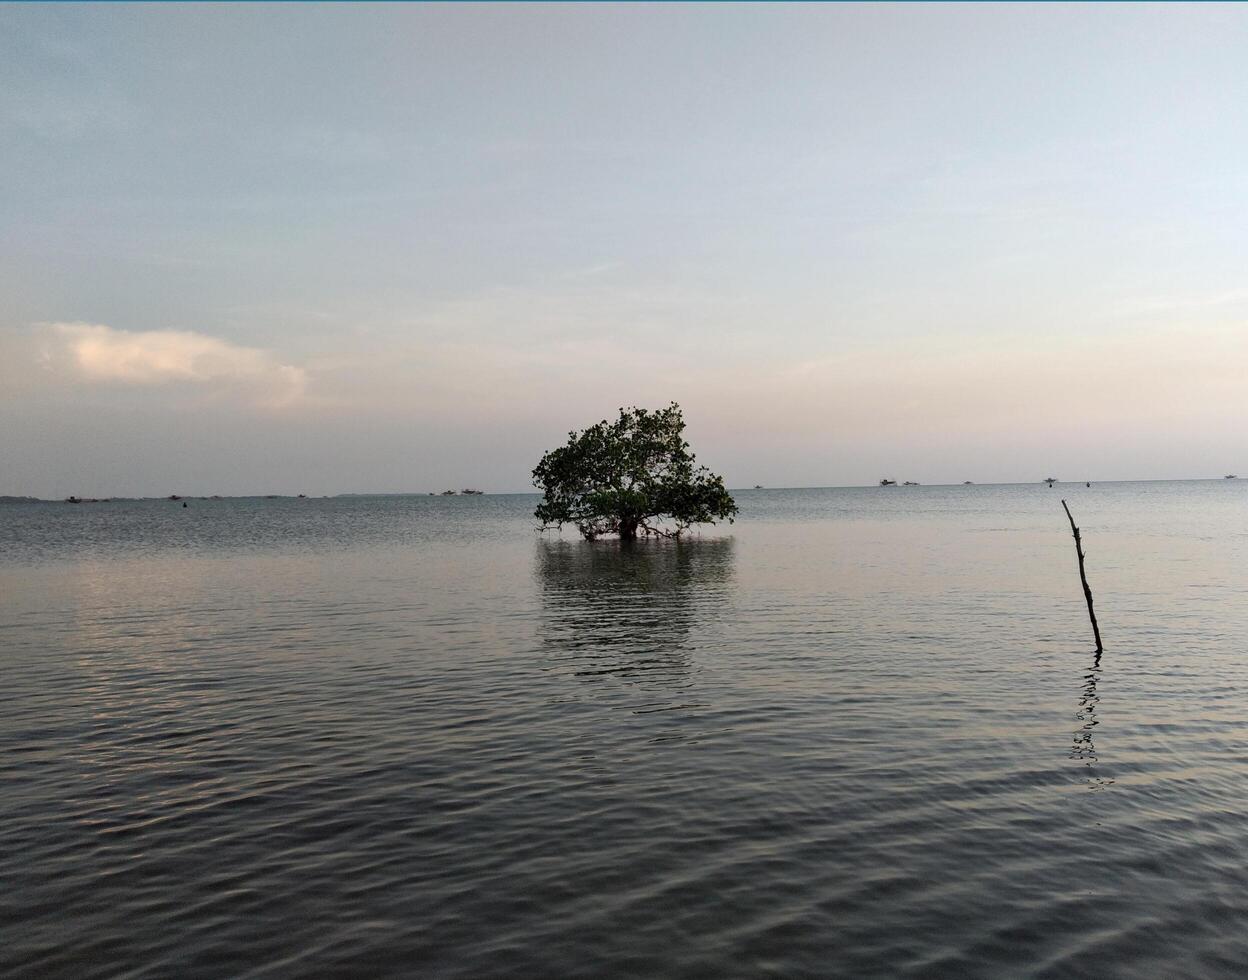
(858, 733)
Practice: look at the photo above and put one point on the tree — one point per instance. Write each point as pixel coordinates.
(627, 476)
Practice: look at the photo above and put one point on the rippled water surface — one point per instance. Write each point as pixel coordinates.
(858, 733)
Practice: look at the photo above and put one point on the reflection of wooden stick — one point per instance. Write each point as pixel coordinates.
(1087, 592)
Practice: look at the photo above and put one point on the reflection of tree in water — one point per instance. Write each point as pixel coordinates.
(1084, 747)
(629, 609)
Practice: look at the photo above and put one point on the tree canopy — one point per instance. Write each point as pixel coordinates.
(633, 475)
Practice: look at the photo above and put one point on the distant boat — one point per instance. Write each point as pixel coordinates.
(888, 483)
(1230, 476)
(968, 483)
(472, 493)
(758, 486)
(909, 483)
(449, 493)
(1050, 480)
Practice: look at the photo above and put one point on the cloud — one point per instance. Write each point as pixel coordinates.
(103, 354)
(57, 117)
(334, 147)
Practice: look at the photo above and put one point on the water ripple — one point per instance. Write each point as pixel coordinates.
(849, 738)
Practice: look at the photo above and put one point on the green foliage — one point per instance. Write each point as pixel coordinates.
(633, 474)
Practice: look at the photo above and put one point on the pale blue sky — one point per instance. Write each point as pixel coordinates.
(323, 248)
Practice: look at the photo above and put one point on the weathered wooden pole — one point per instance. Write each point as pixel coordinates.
(1083, 577)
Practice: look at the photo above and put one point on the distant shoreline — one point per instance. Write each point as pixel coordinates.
(209, 498)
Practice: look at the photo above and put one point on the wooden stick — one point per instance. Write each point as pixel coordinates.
(1083, 577)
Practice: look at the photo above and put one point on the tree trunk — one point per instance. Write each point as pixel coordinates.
(628, 530)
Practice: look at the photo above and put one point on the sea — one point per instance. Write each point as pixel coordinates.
(859, 732)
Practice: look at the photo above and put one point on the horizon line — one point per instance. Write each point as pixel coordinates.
(536, 493)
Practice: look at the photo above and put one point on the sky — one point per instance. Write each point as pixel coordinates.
(334, 248)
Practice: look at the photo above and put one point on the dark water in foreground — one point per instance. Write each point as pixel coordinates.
(859, 733)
